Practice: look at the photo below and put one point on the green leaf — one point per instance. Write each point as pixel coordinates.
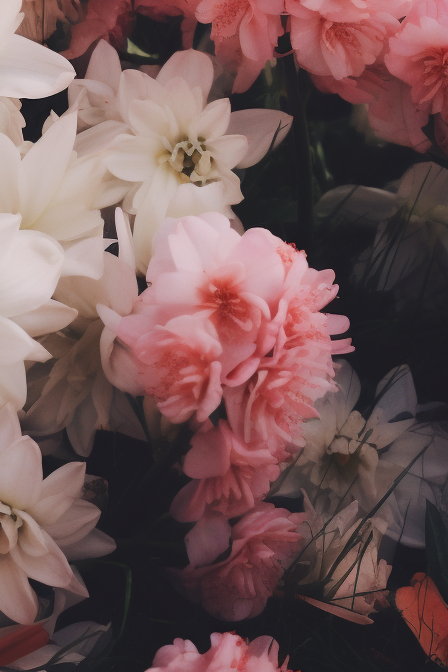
(437, 548)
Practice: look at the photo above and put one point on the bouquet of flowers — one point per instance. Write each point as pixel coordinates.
(214, 458)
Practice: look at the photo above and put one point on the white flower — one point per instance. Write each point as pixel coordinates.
(348, 456)
(72, 391)
(57, 194)
(27, 69)
(38, 518)
(175, 151)
(30, 267)
(11, 119)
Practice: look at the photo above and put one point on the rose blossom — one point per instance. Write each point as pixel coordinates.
(39, 518)
(227, 652)
(264, 542)
(229, 476)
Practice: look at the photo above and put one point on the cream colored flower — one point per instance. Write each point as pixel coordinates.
(43, 522)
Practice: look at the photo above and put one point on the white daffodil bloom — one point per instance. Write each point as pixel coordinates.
(43, 522)
(30, 267)
(71, 391)
(27, 69)
(175, 152)
(58, 194)
(351, 457)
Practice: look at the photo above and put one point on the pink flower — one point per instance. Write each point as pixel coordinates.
(245, 33)
(339, 48)
(229, 476)
(419, 56)
(264, 543)
(227, 652)
(202, 266)
(273, 404)
(177, 363)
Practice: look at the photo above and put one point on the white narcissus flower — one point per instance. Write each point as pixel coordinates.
(175, 151)
(58, 194)
(72, 392)
(30, 267)
(43, 522)
(27, 69)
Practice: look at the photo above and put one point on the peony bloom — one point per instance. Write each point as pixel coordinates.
(42, 522)
(245, 34)
(173, 152)
(337, 47)
(30, 267)
(263, 543)
(227, 652)
(72, 392)
(230, 477)
(426, 614)
(418, 55)
(29, 647)
(27, 69)
(271, 406)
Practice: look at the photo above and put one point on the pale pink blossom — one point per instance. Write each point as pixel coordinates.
(230, 477)
(352, 10)
(43, 522)
(245, 33)
(342, 49)
(280, 395)
(419, 54)
(264, 543)
(227, 652)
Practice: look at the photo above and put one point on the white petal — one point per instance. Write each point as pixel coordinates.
(21, 474)
(124, 234)
(84, 257)
(46, 319)
(51, 568)
(29, 70)
(213, 121)
(133, 160)
(18, 600)
(94, 545)
(9, 427)
(104, 65)
(193, 66)
(260, 128)
(74, 524)
(45, 168)
(98, 138)
(9, 175)
(228, 149)
(16, 345)
(58, 491)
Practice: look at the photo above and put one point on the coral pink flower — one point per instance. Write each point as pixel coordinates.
(419, 56)
(227, 652)
(229, 476)
(264, 543)
(339, 48)
(353, 10)
(272, 405)
(245, 32)
(202, 266)
(177, 364)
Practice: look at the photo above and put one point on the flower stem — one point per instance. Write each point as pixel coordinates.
(304, 176)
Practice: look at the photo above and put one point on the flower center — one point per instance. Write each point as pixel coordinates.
(190, 160)
(227, 304)
(10, 522)
(335, 33)
(349, 440)
(435, 74)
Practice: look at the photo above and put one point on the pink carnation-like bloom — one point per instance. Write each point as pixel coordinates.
(325, 46)
(419, 56)
(227, 652)
(273, 404)
(245, 33)
(177, 364)
(264, 543)
(230, 477)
